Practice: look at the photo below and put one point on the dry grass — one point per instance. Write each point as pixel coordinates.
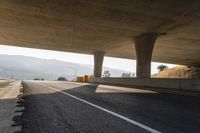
(179, 72)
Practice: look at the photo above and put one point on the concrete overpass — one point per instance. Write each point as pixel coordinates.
(163, 31)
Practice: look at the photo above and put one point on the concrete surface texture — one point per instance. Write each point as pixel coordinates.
(60, 107)
(164, 83)
(8, 96)
(144, 45)
(109, 26)
(98, 63)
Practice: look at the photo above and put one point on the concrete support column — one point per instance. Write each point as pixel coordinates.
(98, 62)
(144, 45)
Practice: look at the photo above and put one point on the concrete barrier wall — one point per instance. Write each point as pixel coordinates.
(175, 84)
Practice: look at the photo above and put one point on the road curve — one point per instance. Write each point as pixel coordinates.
(60, 107)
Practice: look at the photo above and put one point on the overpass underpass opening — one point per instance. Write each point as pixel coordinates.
(64, 64)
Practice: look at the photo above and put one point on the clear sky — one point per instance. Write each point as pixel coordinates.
(117, 63)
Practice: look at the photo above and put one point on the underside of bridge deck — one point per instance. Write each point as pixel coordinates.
(111, 26)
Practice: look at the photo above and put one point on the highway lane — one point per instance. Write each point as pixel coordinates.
(76, 107)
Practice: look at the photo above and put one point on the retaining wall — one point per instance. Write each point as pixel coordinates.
(175, 84)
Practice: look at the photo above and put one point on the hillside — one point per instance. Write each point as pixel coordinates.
(24, 67)
(179, 72)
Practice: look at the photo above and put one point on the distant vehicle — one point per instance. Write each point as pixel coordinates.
(38, 79)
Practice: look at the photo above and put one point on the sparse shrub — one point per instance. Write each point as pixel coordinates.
(127, 75)
(106, 74)
(162, 68)
(62, 79)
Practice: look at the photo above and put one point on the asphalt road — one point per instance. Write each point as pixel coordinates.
(64, 107)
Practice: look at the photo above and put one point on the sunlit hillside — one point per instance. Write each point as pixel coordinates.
(24, 67)
(179, 72)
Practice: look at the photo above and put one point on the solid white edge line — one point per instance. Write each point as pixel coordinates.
(108, 111)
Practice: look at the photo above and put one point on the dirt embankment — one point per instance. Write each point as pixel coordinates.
(179, 72)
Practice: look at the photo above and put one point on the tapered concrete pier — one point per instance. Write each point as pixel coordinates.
(144, 45)
(98, 62)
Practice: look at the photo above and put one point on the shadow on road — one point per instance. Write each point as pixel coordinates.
(56, 112)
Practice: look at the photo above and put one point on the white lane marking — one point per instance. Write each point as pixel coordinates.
(108, 111)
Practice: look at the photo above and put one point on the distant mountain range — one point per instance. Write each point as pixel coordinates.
(25, 67)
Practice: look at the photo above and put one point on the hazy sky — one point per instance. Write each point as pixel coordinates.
(117, 63)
